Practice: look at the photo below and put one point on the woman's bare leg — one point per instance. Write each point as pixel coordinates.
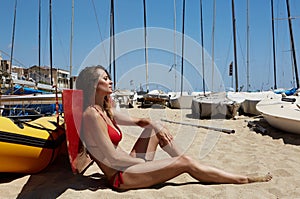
(146, 145)
(151, 173)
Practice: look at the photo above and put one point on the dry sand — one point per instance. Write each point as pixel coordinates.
(246, 152)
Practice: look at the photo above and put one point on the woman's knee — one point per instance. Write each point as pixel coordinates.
(185, 162)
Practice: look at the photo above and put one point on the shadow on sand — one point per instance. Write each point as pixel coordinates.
(55, 180)
(58, 178)
(288, 138)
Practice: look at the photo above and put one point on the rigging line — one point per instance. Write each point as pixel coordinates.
(71, 40)
(227, 57)
(99, 30)
(294, 17)
(240, 45)
(61, 43)
(12, 46)
(241, 50)
(16, 60)
(13, 36)
(45, 39)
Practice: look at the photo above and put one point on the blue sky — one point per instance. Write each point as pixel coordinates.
(91, 27)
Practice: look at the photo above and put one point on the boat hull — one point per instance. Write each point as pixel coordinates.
(178, 101)
(248, 107)
(280, 114)
(292, 126)
(215, 105)
(29, 147)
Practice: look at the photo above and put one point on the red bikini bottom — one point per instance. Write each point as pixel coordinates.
(117, 179)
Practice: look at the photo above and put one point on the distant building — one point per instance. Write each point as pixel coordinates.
(5, 66)
(20, 71)
(37, 74)
(42, 74)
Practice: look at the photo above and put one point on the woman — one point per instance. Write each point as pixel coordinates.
(137, 169)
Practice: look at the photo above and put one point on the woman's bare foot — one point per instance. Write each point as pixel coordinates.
(264, 178)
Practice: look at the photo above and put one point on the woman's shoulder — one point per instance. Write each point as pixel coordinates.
(90, 112)
(91, 117)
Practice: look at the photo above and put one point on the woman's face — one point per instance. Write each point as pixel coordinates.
(104, 85)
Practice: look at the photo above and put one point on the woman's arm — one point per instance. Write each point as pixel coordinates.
(165, 137)
(99, 144)
(125, 119)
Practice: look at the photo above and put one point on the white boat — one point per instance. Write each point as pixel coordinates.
(248, 107)
(30, 99)
(216, 104)
(282, 113)
(155, 97)
(123, 98)
(29, 105)
(184, 100)
(180, 101)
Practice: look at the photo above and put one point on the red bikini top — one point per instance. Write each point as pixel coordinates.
(114, 135)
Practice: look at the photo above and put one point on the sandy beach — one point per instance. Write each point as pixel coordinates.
(246, 151)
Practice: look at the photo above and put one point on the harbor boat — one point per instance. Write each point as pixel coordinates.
(30, 104)
(179, 101)
(155, 97)
(282, 113)
(29, 147)
(248, 107)
(123, 98)
(184, 101)
(216, 104)
(286, 92)
(30, 99)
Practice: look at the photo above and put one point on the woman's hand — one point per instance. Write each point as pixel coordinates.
(164, 136)
(162, 133)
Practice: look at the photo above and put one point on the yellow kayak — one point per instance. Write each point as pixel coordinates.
(29, 147)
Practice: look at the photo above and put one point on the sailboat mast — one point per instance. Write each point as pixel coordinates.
(39, 41)
(213, 46)
(146, 48)
(71, 39)
(12, 46)
(273, 40)
(175, 54)
(292, 42)
(202, 43)
(111, 39)
(50, 40)
(248, 46)
(234, 47)
(182, 47)
(112, 42)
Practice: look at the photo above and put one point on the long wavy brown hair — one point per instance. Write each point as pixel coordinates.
(87, 81)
